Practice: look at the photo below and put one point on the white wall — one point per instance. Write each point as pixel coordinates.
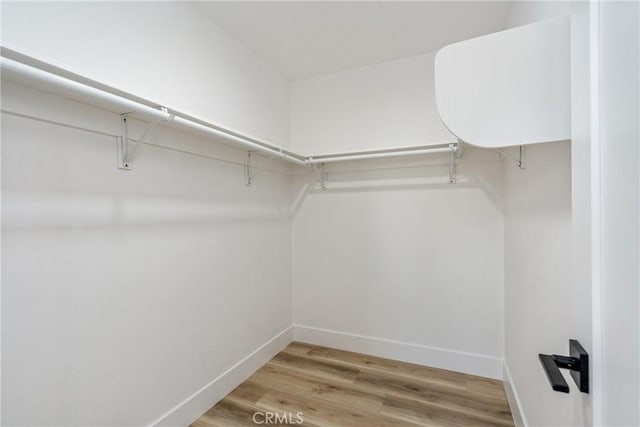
(523, 12)
(125, 292)
(399, 263)
(620, 141)
(538, 292)
(171, 54)
(391, 104)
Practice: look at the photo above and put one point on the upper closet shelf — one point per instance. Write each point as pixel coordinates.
(507, 88)
(25, 69)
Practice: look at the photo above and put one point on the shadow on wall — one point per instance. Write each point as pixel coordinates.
(57, 178)
(46, 211)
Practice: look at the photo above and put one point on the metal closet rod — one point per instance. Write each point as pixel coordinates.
(126, 105)
(33, 69)
(428, 149)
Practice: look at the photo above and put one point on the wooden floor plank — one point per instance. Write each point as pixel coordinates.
(305, 349)
(229, 412)
(357, 360)
(319, 368)
(301, 384)
(457, 400)
(324, 413)
(486, 386)
(248, 392)
(339, 388)
(432, 415)
(202, 422)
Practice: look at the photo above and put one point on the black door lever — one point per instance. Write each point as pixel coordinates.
(577, 362)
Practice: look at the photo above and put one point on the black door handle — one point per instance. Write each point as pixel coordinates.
(577, 362)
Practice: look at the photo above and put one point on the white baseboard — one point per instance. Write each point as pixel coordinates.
(514, 401)
(199, 402)
(468, 363)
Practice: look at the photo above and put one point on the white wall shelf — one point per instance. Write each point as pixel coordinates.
(524, 71)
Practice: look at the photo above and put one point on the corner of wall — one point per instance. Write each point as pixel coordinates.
(519, 418)
(199, 402)
(452, 360)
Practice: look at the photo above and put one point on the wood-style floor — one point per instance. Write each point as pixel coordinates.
(338, 388)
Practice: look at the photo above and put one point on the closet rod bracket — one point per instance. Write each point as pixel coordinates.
(126, 145)
(249, 171)
(452, 164)
(519, 160)
(323, 177)
(459, 148)
(521, 157)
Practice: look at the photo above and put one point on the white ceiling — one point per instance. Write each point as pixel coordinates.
(304, 39)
